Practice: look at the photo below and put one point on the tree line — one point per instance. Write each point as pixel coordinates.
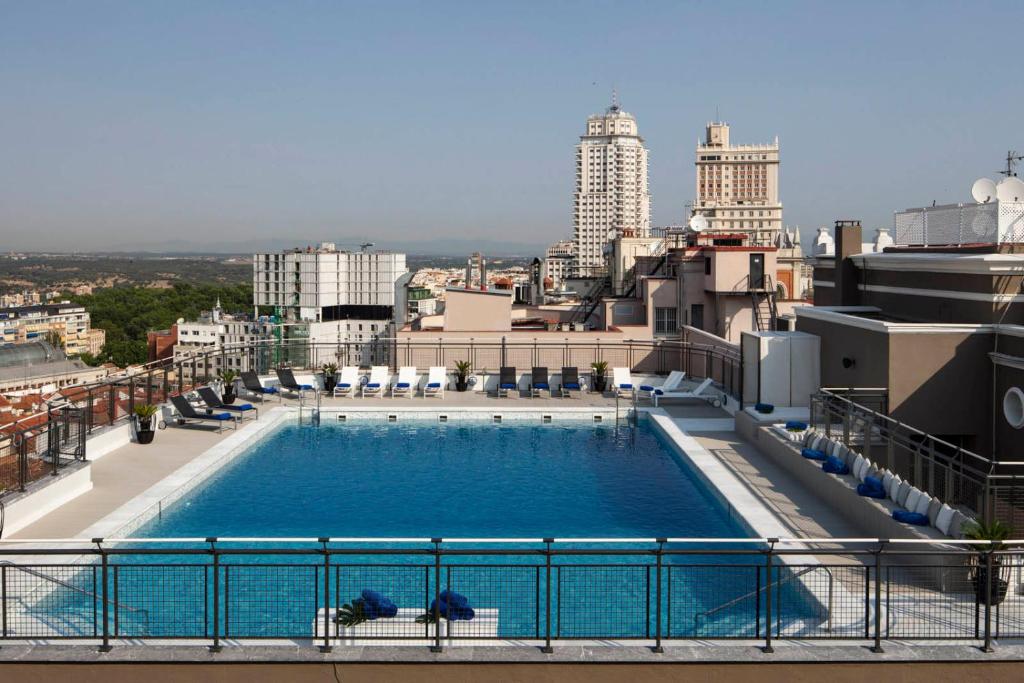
(126, 314)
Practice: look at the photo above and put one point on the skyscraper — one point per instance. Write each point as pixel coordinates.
(611, 195)
(738, 186)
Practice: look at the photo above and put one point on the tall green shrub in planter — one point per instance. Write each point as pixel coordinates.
(996, 532)
(462, 369)
(145, 419)
(228, 377)
(598, 370)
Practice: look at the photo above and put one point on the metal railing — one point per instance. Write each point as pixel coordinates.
(40, 446)
(436, 592)
(989, 489)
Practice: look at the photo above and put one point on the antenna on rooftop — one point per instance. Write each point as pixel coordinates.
(615, 100)
(1011, 164)
(365, 245)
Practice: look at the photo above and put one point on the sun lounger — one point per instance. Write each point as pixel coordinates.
(252, 384)
(622, 382)
(539, 382)
(671, 383)
(507, 380)
(286, 378)
(213, 402)
(406, 383)
(348, 381)
(437, 382)
(187, 413)
(570, 381)
(699, 392)
(377, 383)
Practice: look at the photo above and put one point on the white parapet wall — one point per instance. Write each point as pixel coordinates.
(45, 496)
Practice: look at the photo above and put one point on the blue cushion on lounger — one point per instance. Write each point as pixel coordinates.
(796, 424)
(907, 517)
(402, 385)
(646, 387)
(625, 386)
(571, 385)
(659, 392)
(344, 385)
(219, 416)
(764, 407)
(812, 454)
(540, 385)
(508, 386)
(869, 492)
(246, 406)
(834, 465)
(269, 390)
(373, 385)
(306, 387)
(433, 385)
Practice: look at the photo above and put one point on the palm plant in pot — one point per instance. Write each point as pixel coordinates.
(598, 370)
(228, 377)
(330, 371)
(996, 532)
(462, 369)
(145, 417)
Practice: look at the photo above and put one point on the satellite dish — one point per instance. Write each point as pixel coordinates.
(983, 190)
(698, 223)
(1010, 190)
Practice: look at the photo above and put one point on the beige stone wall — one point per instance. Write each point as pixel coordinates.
(474, 311)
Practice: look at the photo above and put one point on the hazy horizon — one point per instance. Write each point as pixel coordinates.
(129, 124)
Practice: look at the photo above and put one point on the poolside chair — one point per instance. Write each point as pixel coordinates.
(622, 382)
(186, 414)
(570, 381)
(539, 381)
(377, 382)
(671, 383)
(437, 382)
(286, 378)
(699, 392)
(348, 380)
(251, 383)
(213, 402)
(406, 383)
(507, 380)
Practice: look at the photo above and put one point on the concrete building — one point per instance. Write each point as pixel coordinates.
(331, 296)
(216, 329)
(36, 366)
(558, 263)
(611, 196)
(71, 322)
(737, 187)
(939, 330)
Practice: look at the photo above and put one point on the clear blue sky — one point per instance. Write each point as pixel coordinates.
(139, 122)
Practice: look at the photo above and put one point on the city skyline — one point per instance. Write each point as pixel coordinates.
(140, 125)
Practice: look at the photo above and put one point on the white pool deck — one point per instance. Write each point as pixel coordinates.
(130, 480)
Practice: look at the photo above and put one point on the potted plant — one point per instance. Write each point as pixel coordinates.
(996, 532)
(598, 370)
(462, 369)
(330, 376)
(145, 416)
(228, 377)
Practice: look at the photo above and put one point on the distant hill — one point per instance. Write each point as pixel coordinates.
(440, 246)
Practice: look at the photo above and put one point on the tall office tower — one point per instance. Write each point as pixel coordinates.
(611, 187)
(738, 186)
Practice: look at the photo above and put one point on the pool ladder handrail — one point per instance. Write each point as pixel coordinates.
(81, 591)
(793, 576)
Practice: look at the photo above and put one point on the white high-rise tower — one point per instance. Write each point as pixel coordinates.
(611, 195)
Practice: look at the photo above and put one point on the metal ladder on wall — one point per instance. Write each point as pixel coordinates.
(765, 312)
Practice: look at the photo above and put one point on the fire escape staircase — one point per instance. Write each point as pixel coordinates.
(764, 308)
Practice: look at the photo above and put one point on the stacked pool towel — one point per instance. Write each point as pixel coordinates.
(453, 607)
(764, 408)
(907, 517)
(813, 454)
(872, 488)
(375, 605)
(835, 465)
(796, 425)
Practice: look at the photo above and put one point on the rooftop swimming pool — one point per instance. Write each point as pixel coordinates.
(419, 479)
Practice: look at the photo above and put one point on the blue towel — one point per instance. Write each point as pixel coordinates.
(376, 605)
(764, 408)
(571, 385)
(870, 492)
(646, 387)
(245, 406)
(453, 607)
(907, 517)
(625, 386)
(402, 385)
(796, 424)
(433, 385)
(812, 454)
(834, 465)
(659, 392)
(874, 482)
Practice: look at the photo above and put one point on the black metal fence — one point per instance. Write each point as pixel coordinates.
(40, 447)
(439, 593)
(991, 490)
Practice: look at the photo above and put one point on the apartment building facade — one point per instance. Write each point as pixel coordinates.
(71, 322)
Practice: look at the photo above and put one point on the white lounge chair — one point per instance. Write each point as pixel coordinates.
(348, 381)
(622, 382)
(671, 383)
(699, 392)
(437, 382)
(377, 382)
(407, 383)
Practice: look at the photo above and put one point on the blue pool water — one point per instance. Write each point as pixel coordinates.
(423, 480)
(452, 480)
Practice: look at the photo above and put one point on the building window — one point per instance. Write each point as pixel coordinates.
(697, 316)
(707, 265)
(665, 320)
